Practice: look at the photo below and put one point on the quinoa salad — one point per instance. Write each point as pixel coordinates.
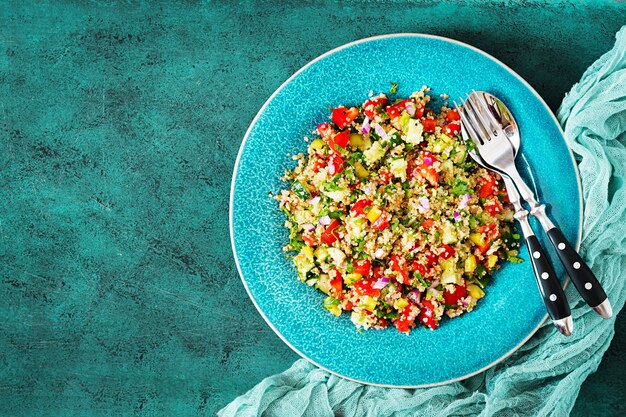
(391, 219)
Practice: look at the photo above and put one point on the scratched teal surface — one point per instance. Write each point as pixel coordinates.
(119, 126)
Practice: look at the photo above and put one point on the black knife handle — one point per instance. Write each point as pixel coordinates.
(579, 272)
(547, 281)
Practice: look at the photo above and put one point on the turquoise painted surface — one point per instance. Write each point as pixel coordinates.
(119, 125)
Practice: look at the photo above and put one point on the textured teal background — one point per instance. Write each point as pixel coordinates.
(119, 125)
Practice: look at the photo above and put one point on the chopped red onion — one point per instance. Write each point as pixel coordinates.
(314, 200)
(365, 128)
(456, 216)
(424, 204)
(381, 132)
(367, 190)
(331, 169)
(324, 220)
(308, 227)
(428, 160)
(381, 283)
(415, 297)
(464, 200)
(410, 107)
(379, 253)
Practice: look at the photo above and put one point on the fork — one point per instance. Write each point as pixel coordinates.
(496, 150)
(549, 286)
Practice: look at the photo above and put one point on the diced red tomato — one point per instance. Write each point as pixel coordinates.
(366, 287)
(484, 248)
(429, 125)
(382, 222)
(419, 111)
(489, 230)
(427, 315)
(452, 129)
(371, 106)
(418, 267)
(403, 325)
(359, 208)
(341, 139)
(378, 271)
(324, 130)
(398, 264)
(427, 224)
(452, 116)
(347, 305)
(405, 322)
(447, 252)
(335, 164)
(362, 266)
(487, 187)
(309, 239)
(330, 235)
(417, 168)
(336, 285)
(385, 175)
(395, 110)
(342, 116)
(430, 174)
(319, 164)
(431, 258)
(453, 297)
(493, 206)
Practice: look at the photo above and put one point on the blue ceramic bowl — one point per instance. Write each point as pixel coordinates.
(512, 309)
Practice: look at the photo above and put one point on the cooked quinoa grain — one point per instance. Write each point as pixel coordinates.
(391, 219)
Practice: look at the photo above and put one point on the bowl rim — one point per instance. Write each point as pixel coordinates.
(309, 64)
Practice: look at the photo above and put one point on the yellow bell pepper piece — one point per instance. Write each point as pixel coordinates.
(317, 144)
(350, 279)
(368, 303)
(356, 140)
(477, 238)
(374, 214)
(470, 263)
(360, 170)
(401, 303)
(475, 291)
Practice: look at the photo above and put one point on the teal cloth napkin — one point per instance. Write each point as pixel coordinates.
(544, 376)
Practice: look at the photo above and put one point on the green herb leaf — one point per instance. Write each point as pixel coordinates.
(300, 190)
(394, 88)
(421, 279)
(459, 187)
(336, 214)
(514, 259)
(396, 139)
